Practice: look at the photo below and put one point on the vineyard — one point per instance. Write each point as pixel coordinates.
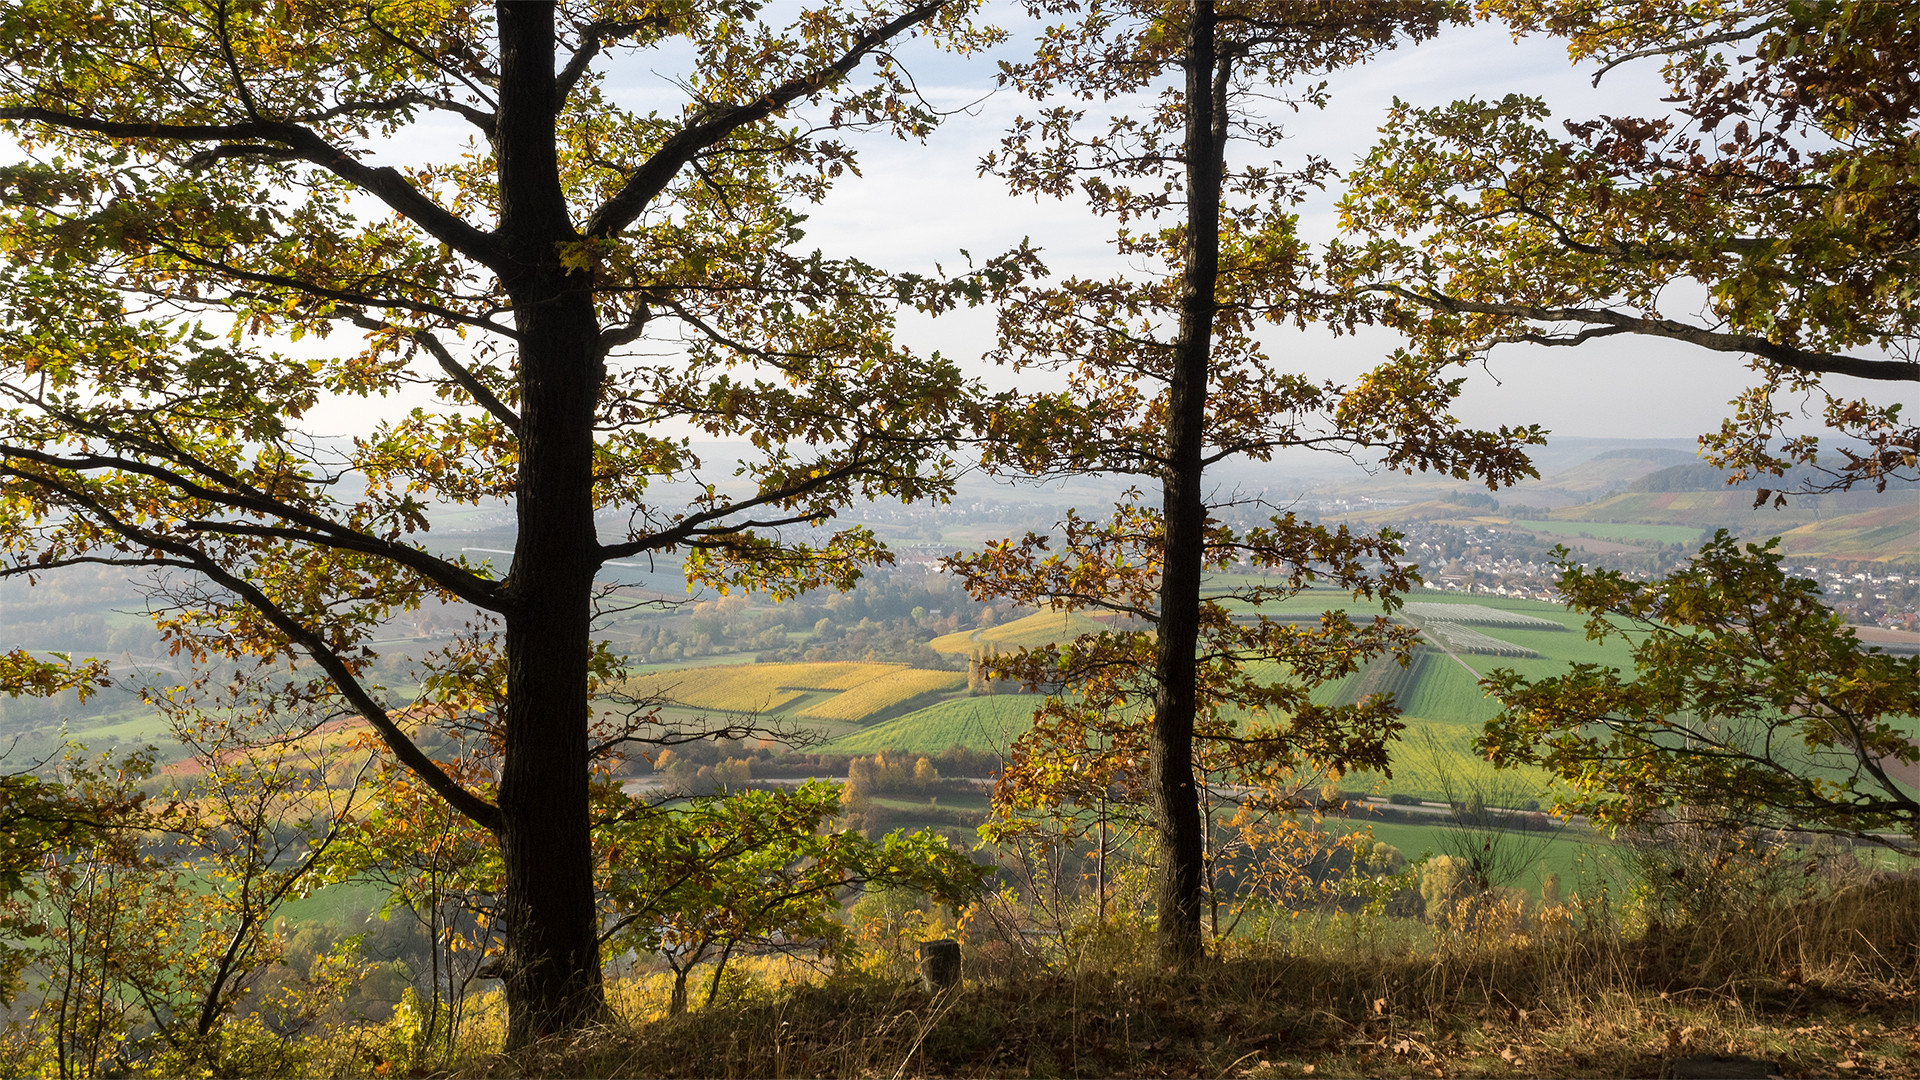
(981, 723)
(1458, 638)
(1033, 631)
(1477, 615)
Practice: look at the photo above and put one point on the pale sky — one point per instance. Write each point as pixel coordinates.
(917, 205)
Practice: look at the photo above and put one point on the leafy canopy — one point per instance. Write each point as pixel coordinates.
(1749, 704)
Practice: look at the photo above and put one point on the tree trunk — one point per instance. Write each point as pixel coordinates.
(1176, 806)
(677, 1002)
(552, 963)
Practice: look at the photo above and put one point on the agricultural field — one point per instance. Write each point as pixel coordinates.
(983, 723)
(1445, 690)
(1886, 534)
(885, 694)
(855, 705)
(1476, 615)
(1815, 527)
(1585, 862)
(1384, 675)
(1435, 756)
(1693, 509)
(1037, 629)
(753, 688)
(1464, 639)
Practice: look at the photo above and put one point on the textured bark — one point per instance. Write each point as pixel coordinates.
(1175, 800)
(552, 966)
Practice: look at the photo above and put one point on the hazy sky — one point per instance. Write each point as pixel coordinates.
(917, 205)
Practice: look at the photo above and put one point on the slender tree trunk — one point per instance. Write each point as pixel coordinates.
(552, 963)
(1100, 864)
(713, 988)
(1176, 806)
(677, 1003)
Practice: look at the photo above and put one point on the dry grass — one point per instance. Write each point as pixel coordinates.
(1345, 1000)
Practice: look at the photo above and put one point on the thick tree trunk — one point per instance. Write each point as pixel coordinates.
(552, 965)
(1176, 805)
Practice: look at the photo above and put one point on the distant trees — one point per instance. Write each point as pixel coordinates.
(1165, 374)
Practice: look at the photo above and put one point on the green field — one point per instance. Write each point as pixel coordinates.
(1584, 862)
(1815, 526)
(983, 723)
(336, 904)
(854, 705)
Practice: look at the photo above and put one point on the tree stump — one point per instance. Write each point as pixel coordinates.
(1717, 1068)
(939, 964)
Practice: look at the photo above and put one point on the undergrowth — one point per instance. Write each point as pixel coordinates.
(1822, 989)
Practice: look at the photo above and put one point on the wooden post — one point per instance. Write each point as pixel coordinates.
(939, 964)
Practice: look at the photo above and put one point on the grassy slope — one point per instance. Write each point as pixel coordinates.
(1887, 534)
(887, 693)
(983, 723)
(1810, 528)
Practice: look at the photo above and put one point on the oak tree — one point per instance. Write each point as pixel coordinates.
(1749, 705)
(1781, 181)
(228, 214)
(1165, 373)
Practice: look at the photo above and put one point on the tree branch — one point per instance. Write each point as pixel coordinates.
(312, 528)
(386, 184)
(652, 177)
(593, 38)
(1787, 356)
(469, 382)
(690, 526)
(298, 633)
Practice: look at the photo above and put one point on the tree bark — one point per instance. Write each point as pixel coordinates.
(547, 912)
(1176, 803)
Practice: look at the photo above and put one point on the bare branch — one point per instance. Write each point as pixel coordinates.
(1787, 356)
(710, 127)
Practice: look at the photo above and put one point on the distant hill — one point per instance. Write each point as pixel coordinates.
(1613, 470)
(1825, 526)
(1569, 474)
(1889, 534)
(1700, 476)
